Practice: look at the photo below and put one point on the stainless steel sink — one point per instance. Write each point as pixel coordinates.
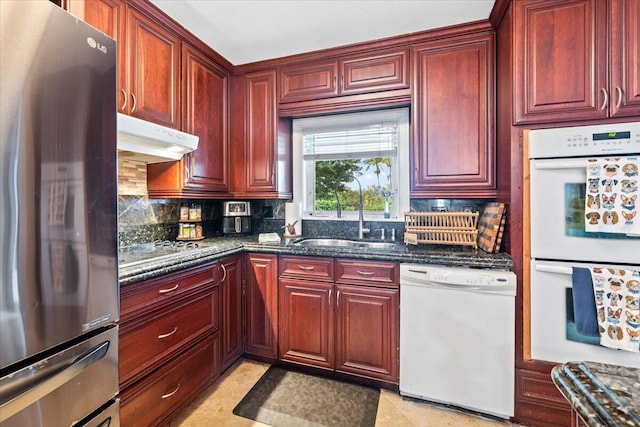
(355, 244)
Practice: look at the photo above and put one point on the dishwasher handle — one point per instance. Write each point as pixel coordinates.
(507, 288)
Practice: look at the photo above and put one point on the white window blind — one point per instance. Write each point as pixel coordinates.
(378, 140)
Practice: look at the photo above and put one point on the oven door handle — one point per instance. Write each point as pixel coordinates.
(549, 268)
(560, 164)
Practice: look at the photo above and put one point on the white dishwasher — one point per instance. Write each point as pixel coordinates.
(457, 336)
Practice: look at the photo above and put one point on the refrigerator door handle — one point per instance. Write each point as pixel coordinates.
(43, 386)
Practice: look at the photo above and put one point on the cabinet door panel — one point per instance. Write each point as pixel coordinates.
(205, 115)
(261, 132)
(306, 322)
(154, 61)
(231, 297)
(367, 332)
(262, 305)
(374, 72)
(561, 60)
(625, 58)
(453, 144)
(308, 82)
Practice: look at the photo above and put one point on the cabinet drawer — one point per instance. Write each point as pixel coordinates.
(152, 400)
(307, 268)
(143, 345)
(386, 274)
(147, 295)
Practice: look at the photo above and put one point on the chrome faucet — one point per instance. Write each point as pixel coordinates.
(361, 228)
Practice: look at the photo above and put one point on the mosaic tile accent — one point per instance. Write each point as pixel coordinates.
(132, 178)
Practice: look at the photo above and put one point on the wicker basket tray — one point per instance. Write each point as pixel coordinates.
(441, 228)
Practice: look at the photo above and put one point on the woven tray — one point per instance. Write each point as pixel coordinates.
(441, 228)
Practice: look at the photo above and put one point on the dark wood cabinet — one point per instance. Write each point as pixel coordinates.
(261, 305)
(154, 401)
(576, 60)
(231, 296)
(261, 142)
(539, 402)
(261, 132)
(453, 148)
(347, 322)
(308, 82)
(367, 322)
(306, 322)
(205, 171)
(148, 59)
(169, 343)
(353, 74)
(153, 71)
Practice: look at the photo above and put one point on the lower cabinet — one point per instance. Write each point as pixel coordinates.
(261, 305)
(345, 320)
(155, 399)
(169, 343)
(306, 320)
(231, 294)
(367, 332)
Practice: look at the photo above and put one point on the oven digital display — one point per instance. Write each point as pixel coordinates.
(604, 136)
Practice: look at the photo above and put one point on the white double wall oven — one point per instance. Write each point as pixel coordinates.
(558, 161)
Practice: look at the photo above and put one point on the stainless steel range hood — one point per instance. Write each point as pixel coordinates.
(151, 143)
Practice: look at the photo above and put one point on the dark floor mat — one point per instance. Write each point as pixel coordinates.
(283, 398)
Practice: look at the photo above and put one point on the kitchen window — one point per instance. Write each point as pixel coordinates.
(335, 156)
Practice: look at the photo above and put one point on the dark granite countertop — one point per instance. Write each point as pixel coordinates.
(212, 249)
(603, 395)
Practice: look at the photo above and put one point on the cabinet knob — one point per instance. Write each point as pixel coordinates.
(171, 393)
(167, 335)
(224, 273)
(605, 102)
(124, 97)
(166, 291)
(619, 90)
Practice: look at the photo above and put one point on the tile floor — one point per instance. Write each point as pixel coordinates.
(214, 407)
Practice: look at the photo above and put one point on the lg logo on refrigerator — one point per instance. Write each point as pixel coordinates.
(94, 44)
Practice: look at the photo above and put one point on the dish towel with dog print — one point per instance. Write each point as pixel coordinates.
(611, 202)
(617, 295)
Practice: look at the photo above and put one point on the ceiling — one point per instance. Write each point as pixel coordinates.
(245, 31)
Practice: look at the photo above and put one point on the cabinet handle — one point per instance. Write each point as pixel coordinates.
(366, 273)
(619, 90)
(124, 96)
(606, 98)
(338, 299)
(307, 268)
(330, 292)
(163, 336)
(224, 270)
(166, 291)
(133, 105)
(164, 396)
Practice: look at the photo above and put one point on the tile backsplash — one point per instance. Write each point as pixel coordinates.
(143, 220)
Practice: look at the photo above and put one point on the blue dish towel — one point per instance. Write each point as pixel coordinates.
(584, 303)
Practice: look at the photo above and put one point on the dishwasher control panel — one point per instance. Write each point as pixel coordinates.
(429, 275)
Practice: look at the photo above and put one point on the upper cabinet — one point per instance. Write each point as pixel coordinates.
(354, 74)
(205, 171)
(576, 60)
(151, 89)
(453, 146)
(148, 59)
(261, 143)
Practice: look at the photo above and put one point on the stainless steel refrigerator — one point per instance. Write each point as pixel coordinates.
(58, 220)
